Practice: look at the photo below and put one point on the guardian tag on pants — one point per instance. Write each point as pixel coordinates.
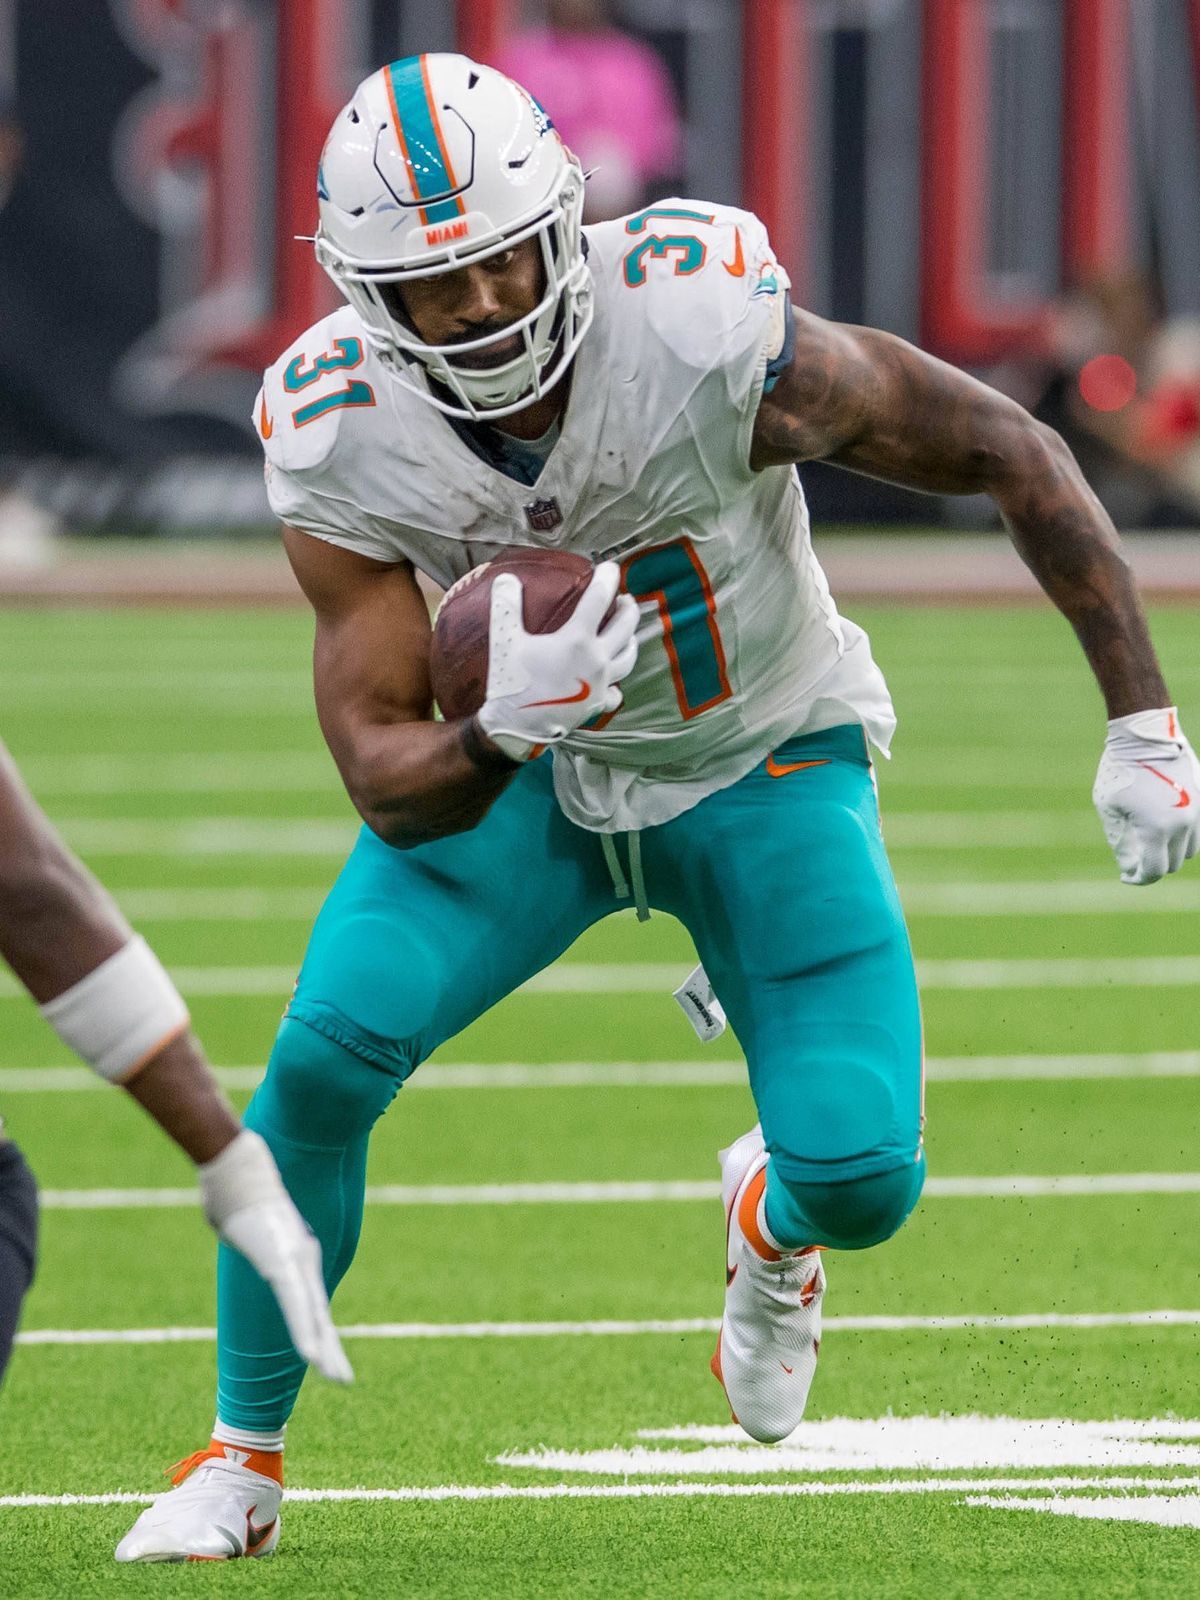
(701, 1006)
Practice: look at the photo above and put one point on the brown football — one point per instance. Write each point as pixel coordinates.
(552, 582)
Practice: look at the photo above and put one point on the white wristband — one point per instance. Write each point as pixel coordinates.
(1160, 725)
(244, 1174)
(122, 1014)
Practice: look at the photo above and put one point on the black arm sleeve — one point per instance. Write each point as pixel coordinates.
(18, 1242)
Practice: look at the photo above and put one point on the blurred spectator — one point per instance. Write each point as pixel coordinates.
(26, 530)
(1124, 390)
(610, 97)
(11, 146)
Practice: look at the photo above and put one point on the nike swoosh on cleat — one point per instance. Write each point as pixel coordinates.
(1185, 798)
(585, 689)
(777, 769)
(730, 1274)
(737, 267)
(786, 1368)
(256, 1536)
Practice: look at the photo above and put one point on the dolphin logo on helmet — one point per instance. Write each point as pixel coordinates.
(439, 161)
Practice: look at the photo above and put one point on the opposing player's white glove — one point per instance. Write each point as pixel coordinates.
(1147, 792)
(246, 1202)
(542, 686)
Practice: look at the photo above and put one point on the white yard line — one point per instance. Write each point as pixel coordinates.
(662, 1074)
(624, 1328)
(300, 836)
(222, 905)
(209, 836)
(992, 1069)
(213, 772)
(990, 830)
(645, 1491)
(71, 686)
(1046, 897)
(654, 977)
(649, 1491)
(1040, 898)
(646, 1192)
(1122, 972)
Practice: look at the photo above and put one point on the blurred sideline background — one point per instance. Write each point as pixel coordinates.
(1014, 184)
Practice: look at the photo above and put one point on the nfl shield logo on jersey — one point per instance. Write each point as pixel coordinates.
(542, 515)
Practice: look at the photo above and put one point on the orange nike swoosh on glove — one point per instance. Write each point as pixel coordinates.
(1185, 798)
(585, 689)
(776, 770)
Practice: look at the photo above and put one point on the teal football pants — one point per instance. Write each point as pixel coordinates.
(784, 885)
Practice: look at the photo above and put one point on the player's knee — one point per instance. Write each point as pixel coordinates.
(860, 1212)
(319, 1092)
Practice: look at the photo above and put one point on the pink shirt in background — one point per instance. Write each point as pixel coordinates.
(604, 91)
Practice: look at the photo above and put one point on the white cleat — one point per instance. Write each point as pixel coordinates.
(220, 1510)
(770, 1334)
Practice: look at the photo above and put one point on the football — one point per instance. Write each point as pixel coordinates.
(552, 582)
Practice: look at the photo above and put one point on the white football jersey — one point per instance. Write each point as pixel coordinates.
(741, 645)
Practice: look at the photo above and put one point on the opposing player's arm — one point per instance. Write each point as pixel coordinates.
(411, 779)
(865, 400)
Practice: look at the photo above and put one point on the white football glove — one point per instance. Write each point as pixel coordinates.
(246, 1202)
(1147, 792)
(542, 686)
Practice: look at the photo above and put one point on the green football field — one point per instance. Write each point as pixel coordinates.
(1007, 1401)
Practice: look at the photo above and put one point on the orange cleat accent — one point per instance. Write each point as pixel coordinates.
(267, 1462)
(714, 1366)
(748, 1218)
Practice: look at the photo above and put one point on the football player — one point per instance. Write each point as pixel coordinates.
(639, 392)
(104, 992)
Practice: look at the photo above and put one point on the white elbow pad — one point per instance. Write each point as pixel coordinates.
(122, 1014)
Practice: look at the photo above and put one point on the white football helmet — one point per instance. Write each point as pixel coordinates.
(439, 161)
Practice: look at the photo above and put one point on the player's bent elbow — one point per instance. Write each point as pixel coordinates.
(1038, 455)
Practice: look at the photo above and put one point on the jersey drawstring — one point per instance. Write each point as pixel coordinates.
(639, 880)
(620, 883)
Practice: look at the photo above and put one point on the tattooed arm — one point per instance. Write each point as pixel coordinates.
(867, 401)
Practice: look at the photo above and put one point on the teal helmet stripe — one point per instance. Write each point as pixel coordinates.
(420, 136)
